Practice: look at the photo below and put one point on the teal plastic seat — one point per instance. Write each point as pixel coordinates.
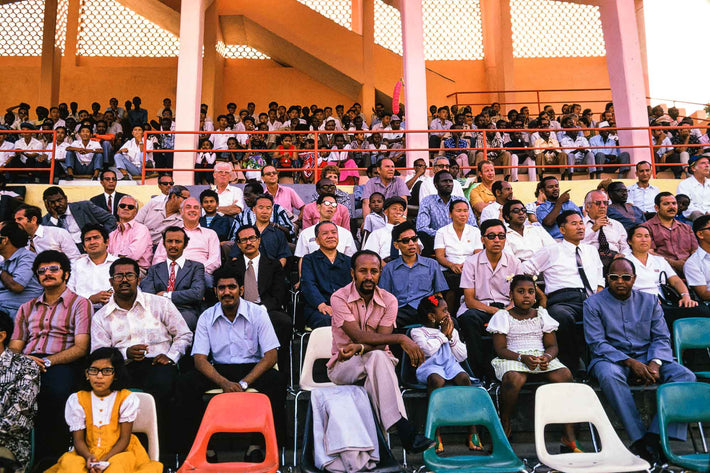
(691, 332)
(686, 403)
(464, 406)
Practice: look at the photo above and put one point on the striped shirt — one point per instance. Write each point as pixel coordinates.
(52, 328)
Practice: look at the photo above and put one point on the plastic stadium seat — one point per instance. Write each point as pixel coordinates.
(691, 332)
(683, 402)
(147, 422)
(562, 403)
(234, 413)
(464, 406)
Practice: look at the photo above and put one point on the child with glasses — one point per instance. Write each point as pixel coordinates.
(101, 420)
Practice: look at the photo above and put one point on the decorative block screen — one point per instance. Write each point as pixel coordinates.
(21, 25)
(340, 11)
(452, 29)
(239, 51)
(547, 28)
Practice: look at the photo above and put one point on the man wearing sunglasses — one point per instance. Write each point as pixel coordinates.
(697, 266)
(306, 244)
(110, 198)
(310, 215)
(630, 344)
(130, 238)
(53, 330)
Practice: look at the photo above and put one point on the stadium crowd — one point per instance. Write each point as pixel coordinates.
(189, 291)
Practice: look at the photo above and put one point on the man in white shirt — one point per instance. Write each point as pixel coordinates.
(605, 234)
(129, 159)
(326, 205)
(29, 157)
(642, 193)
(84, 156)
(219, 140)
(577, 148)
(380, 241)
(441, 163)
(90, 272)
(572, 272)
(503, 192)
(42, 237)
(60, 149)
(231, 198)
(697, 266)
(523, 240)
(163, 211)
(697, 187)
(5, 144)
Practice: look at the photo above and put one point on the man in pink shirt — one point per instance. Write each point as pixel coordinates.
(363, 321)
(286, 197)
(130, 238)
(310, 212)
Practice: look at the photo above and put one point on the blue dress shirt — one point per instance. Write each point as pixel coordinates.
(320, 278)
(411, 285)
(434, 214)
(545, 208)
(19, 265)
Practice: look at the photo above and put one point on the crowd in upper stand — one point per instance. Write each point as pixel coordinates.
(199, 276)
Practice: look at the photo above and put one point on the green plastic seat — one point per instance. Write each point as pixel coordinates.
(464, 406)
(686, 403)
(691, 332)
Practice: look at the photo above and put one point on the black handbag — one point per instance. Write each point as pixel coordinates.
(669, 294)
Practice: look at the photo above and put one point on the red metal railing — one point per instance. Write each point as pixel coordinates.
(51, 150)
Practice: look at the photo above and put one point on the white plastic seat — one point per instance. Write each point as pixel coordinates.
(147, 423)
(562, 403)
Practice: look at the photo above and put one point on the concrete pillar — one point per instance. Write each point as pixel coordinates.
(415, 98)
(626, 75)
(641, 24)
(367, 93)
(51, 58)
(212, 71)
(70, 47)
(498, 49)
(189, 86)
(356, 16)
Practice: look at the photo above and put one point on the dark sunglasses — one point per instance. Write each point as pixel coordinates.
(126, 206)
(170, 183)
(493, 236)
(624, 277)
(406, 240)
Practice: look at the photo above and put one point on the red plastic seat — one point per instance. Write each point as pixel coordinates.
(234, 413)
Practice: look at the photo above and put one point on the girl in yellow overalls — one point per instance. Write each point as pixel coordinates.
(101, 421)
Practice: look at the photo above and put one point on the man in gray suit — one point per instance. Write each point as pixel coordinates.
(179, 279)
(73, 216)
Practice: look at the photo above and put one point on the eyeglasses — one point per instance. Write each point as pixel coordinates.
(170, 183)
(517, 210)
(706, 228)
(599, 203)
(406, 240)
(126, 206)
(93, 371)
(271, 173)
(130, 277)
(249, 239)
(327, 186)
(231, 287)
(110, 179)
(447, 166)
(52, 269)
(328, 203)
(493, 236)
(624, 277)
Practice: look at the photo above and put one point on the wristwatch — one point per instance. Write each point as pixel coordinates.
(520, 358)
(47, 362)
(244, 385)
(657, 361)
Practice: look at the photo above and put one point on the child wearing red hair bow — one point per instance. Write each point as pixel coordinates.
(444, 352)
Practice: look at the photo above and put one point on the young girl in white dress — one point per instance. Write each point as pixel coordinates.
(444, 351)
(525, 344)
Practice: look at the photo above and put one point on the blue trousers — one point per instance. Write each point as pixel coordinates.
(613, 379)
(72, 161)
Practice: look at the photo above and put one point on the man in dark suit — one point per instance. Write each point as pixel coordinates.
(265, 284)
(108, 181)
(73, 216)
(188, 277)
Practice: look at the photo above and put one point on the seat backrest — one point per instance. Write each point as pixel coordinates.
(320, 344)
(147, 423)
(691, 332)
(683, 402)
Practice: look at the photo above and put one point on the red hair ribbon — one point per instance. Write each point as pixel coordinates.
(434, 300)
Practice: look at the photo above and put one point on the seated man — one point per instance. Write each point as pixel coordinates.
(697, 187)
(486, 290)
(75, 215)
(108, 200)
(577, 148)
(310, 215)
(131, 239)
(627, 214)
(273, 238)
(84, 155)
(697, 267)
(498, 157)
(503, 192)
(554, 204)
(606, 153)
(455, 149)
(410, 277)
(603, 233)
(380, 241)
(482, 195)
(280, 218)
(42, 237)
(672, 239)
(53, 330)
(235, 348)
(163, 211)
(203, 245)
(427, 188)
(229, 198)
(630, 344)
(265, 284)
(386, 183)
(363, 322)
(322, 273)
(177, 278)
(130, 157)
(19, 386)
(90, 272)
(151, 354)
(18, 283)
(547, 150)
(306, 244)
(642, 193)
(523, 240)
(223, 225)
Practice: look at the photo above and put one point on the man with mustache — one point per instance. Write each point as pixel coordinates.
(90, 277)
(53, 330)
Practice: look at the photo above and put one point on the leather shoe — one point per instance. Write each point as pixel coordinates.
(645, 451)
(420, 443)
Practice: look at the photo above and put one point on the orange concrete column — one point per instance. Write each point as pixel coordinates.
(626, 75)
(415, 100)
(356, 17)
(70, 47)
(189, 86)
(641, 23)
(497, 47)
(213, 67)
(51, 58)
(367, 93)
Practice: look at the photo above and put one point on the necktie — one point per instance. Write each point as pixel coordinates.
(63, 221)
(171, 278)
(251, 290)
(582, 274)
(110, 203)
(603, 242)
(32, 244)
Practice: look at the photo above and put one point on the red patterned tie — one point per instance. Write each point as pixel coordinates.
(171, 279)
(110, 203)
